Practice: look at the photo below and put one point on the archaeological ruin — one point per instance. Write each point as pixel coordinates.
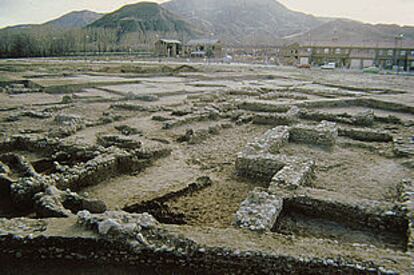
(216, 169)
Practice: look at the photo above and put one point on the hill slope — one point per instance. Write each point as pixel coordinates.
(76, 19)
(354, 31)
(244, 21)
(145, 17)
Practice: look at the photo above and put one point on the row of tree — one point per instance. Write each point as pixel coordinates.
(49, 41)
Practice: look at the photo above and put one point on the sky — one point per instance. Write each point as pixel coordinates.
(400, 12)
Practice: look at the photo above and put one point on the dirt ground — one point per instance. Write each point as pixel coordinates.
(93, 89)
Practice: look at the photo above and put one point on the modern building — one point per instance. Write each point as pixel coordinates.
(384, 55)
(168, 48)
(204, 48)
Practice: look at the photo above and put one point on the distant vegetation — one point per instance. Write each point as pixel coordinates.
(131, 28)
(42, 42)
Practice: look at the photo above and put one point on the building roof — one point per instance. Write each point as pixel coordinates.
(170, 41)
(404, 44)
(205, 41)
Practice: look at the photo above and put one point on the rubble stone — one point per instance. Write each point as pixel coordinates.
(56, 203)
(127, 130)
(119, 141)
(325, 133)
(23, 191)
(293, 175)
(260, 166)
(367, 135)
(135, 107)
(288, 118)
(259, 211)
(117, 224)
(19, 164)
(270, 142)
(68, 119)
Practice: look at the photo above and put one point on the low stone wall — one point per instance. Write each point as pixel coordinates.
(90, 173)
(56, 203)
(278, 95)
(385, 105)
(367, 214)
(198, 136)
(262, 106)
(288, 118)
(269, 142)
(367, 135)
(84, 166)
(259, 211)
(137, 241)
(19, 87)
(293, 175)
(67, 125)
(325, 133)
(407, 202)
(109, 164)
(195, 117)
(402, 147)
(17, 164)
(118, 141)
(261, 160)
(260, 166)
(135, 107)
(360, 119)
(29, 113)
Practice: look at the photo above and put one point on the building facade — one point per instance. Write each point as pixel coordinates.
(168, 48)
(383, 55)
(204, 48)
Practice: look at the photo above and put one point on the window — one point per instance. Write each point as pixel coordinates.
(403, 53)
(388, 62)
(412, 53)
(381, 52)
(338, 51)
(347, 51)
(412, 64)
(318, 51)
(326, 51)
(390, 52)
(309, 50)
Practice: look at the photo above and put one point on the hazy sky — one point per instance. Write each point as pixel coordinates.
(401, 12)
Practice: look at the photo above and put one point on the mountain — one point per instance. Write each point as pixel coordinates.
(353, 31)
(76, 19)
(145, 18)
(244, 22)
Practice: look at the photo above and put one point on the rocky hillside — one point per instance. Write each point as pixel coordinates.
(145, 17)
(246, 22)
(354, 31)
(77, 19)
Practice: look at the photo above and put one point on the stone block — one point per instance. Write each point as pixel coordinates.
(260, 166)
(259, 211)
(293, 175)
(325, 133)
(270, 142)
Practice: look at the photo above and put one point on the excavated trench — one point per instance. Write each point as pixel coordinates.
(299, 219)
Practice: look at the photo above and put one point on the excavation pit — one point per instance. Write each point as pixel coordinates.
(305, 217)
